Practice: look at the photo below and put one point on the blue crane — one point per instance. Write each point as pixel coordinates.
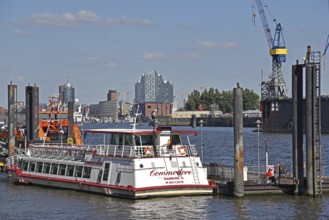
(275, 87)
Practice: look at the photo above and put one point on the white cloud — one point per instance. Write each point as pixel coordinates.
(207, 44)
(92, 59)
(112, 64)
(19, 32)
(97, 60)
(83, 17)
(154, 56)
(230, 45)
(87, 16)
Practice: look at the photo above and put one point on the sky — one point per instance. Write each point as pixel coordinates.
(101, 45)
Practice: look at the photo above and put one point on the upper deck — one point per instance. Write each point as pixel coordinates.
(124, 143)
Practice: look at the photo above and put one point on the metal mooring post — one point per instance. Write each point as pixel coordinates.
(297, 121)
(238, 143)
(12, 90)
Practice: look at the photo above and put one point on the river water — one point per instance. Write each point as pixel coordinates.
(33, 202)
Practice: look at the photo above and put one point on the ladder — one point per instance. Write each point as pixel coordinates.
(316, 131)
(192, 155)
(194, 169)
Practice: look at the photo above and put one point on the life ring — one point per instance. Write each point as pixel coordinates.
(148, 151)
(182, 150)
(70, 140)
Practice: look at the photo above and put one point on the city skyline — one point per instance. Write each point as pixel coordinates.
(102, 45)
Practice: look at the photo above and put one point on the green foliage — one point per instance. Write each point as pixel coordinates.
(224, 100)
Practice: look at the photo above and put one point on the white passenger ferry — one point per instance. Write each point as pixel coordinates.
(132, 163)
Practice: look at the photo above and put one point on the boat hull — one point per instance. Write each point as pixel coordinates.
(110, 190)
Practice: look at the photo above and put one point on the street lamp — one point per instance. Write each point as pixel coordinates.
(266, 155)
(201, 122)
(258, 122)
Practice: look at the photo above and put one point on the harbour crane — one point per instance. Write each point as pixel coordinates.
(275, 87)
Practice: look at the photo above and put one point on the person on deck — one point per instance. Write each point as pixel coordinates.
(270, 175)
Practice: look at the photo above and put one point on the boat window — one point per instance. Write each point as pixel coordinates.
(147, 139)
(78, 171)
(138, 140)
(120, 139)
(62, 168)
(39, 167)
(118, 178)
(54, 168)
(32, 166)
(128, 140)
(25, 165)
(175, 139)
(70, 169)
(114, 139)
(86, 172)
(46, 167)
(106, 171)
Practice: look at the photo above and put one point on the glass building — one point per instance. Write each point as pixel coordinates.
(66, 93)
(153, 89)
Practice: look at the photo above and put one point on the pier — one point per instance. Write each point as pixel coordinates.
(223, 177)
(307, 176)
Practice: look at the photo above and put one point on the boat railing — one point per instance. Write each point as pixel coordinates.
(64, 151)
(70, 152)
(120, 151)
(12, 162)
(176, 150)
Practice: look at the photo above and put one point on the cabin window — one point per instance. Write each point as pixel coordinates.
(70, 169)
(106, 171)
(175, 139)
(32, 166)
(62, 168)
(152, 164)
(184, 164)
(25, 165)
(120, 139)
(128, 140)
(147, 139)
(78, 171)
(138, 140)
(54, 168)
(46, 167)
(86, 172)
(117, 139)
(114, 139)
(39, 167)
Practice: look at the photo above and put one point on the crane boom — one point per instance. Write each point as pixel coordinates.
(263, 18)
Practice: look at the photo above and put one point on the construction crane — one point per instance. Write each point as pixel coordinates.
(275, 87)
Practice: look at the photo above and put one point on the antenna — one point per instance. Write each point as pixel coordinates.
(135, 118)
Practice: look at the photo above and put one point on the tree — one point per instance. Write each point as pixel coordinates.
(224, 100)
(250, 100)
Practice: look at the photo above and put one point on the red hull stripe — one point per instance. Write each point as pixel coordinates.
(117, 187)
